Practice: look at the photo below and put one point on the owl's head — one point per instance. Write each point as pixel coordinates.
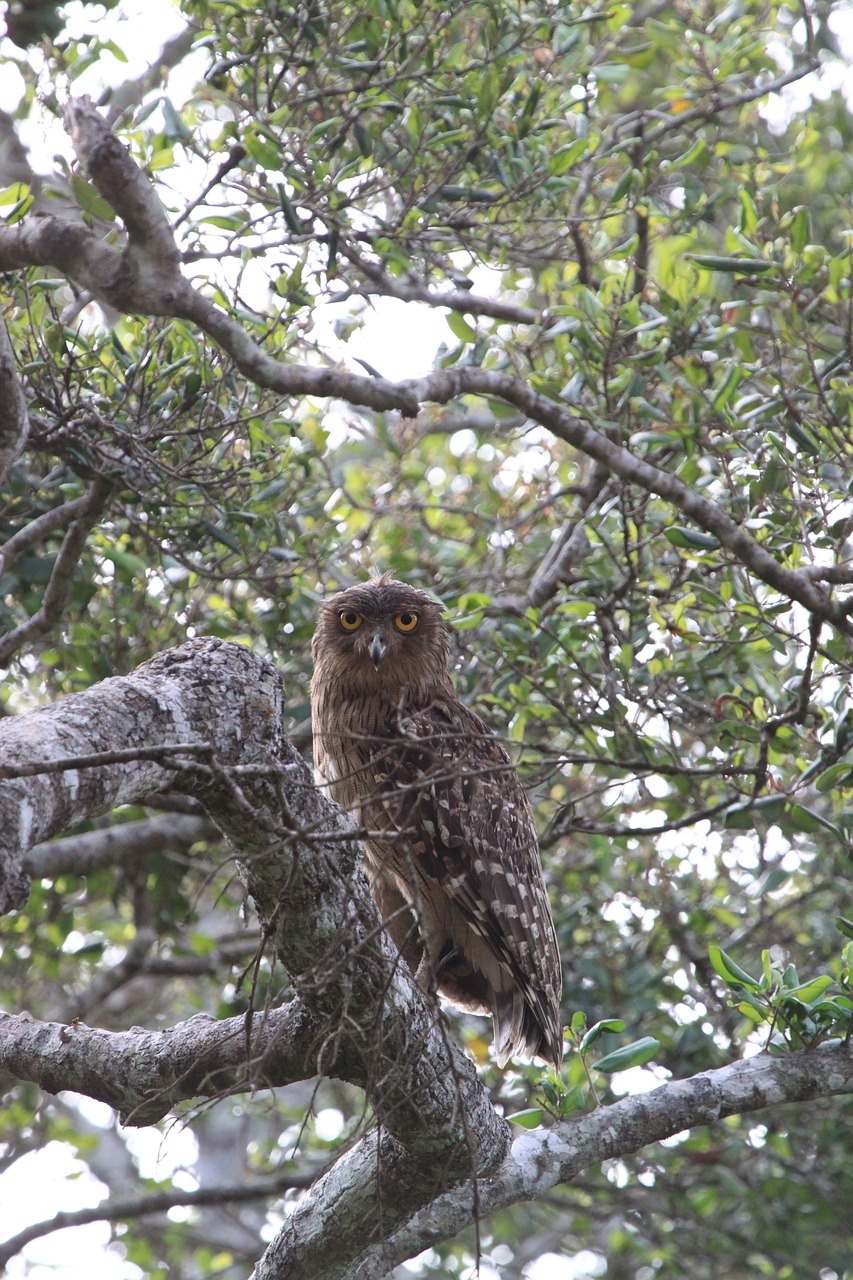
(384, 634)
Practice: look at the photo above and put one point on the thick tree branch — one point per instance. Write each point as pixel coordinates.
(539, 1161)
(117, 177)
(120, 845)
(145, 1074)
(203, 686)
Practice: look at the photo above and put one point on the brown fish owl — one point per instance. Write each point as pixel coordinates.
(451, 851)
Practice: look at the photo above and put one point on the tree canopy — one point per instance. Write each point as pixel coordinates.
(609, 249)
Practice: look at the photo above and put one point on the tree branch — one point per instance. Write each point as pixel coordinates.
(58, 588)
(457, 300)
(302, 868)
(796, 584)
(118, 1210)
(145, 1074)
(42, 527)
(223, 690)
(131, 92)
(540, 1160)
(118, 845)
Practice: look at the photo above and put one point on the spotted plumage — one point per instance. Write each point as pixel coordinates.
(450, 849)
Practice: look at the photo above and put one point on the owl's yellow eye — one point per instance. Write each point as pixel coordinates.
(349, 619)
(406, 621)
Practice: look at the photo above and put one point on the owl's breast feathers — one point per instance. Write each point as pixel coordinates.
(451, 842)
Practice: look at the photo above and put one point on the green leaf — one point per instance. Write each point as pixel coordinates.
(89, 200)
(529, 1119)
(130, 565)
(550, 1092)
(501, 409)
(162, 159)
(729, 969)
(460, 328)
(598, 1029)
(833, 777)
(729, 386)
(769, 808)
(800, 230)
(630, 1055)
(692, 538)
(612, 72)
(11, 195)
(752, 1010)
(774, 880)
(565, 159)
(262, 152)
(732, 266)
(743, 817)
(803, 439)
(573, 1100)
(811, 992)
(806, 820)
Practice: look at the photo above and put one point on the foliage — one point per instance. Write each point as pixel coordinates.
(594, 202)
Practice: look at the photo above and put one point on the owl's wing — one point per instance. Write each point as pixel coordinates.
(451, 788)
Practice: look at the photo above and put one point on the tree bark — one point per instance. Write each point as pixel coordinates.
(365, 1020)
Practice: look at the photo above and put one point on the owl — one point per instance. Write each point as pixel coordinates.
(450, 847)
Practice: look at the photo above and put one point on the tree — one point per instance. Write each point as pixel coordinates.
(628, 475)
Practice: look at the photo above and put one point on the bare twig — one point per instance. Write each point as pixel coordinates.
(162, 754)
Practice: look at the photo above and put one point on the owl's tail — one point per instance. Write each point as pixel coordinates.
(526, 1024)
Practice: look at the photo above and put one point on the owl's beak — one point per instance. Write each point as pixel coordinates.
(377, 649)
